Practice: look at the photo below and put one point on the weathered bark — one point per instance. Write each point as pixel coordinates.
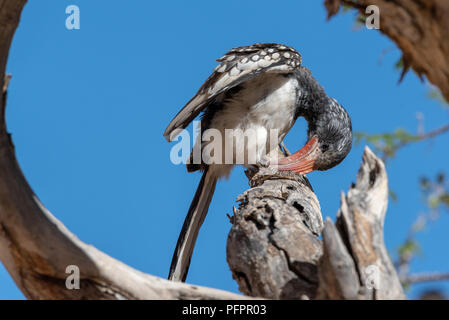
(420, 28)
(274, 251)
(36, 248)
(355, 264)
(273, 247)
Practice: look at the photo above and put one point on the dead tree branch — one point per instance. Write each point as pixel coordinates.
(421, 137)
(354, 248)
(419, 28)
(273, 248)
(36, 248)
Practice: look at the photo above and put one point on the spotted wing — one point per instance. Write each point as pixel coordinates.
(236, 66)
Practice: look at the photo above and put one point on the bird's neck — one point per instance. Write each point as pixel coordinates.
(312, 99)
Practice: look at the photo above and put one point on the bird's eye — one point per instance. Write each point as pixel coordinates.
(324, 147)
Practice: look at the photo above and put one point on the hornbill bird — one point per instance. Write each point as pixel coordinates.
(261, 87)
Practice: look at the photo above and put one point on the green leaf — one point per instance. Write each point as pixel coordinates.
(399, 64)
(435, 94)
(409, 248)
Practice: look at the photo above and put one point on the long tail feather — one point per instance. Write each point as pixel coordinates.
(197, 212)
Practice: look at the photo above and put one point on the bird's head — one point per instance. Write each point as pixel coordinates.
(329, 140)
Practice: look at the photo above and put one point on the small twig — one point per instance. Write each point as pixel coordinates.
(425, 277)
(433, 133)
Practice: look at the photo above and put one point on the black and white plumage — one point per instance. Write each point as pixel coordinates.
(259, 87)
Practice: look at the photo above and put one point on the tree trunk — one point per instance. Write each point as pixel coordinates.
(420, 28)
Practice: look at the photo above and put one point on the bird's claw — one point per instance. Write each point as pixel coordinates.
(263, 162)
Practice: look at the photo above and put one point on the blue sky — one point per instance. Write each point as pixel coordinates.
(87, 109)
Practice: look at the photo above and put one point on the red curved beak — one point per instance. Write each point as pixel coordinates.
(302, 161)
